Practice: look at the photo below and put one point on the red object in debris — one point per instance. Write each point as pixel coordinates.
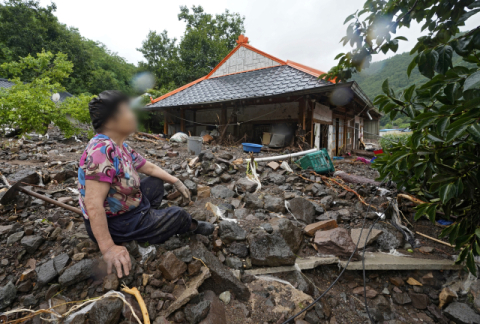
(378, 152)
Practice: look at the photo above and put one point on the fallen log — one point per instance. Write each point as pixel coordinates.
(411, 198)
(350, 178)
(144, 139)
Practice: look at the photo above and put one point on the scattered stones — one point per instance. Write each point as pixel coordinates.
(32, 243)
(446, 297)
(239, 249)
(290, 233)
(397, 281)
(274, 204)
(253, 201)
(335, 242)
(15, 237)
(203, 192)
(413, 282)
(419, 301)
(171, 267)
(426, 249)
(110, 282)
(326, 225)
(225, 297)
(196, 313)
(221, 191)
(184, 254)
(49, 270)
(371, 293)
(401, 298)
(276, 178)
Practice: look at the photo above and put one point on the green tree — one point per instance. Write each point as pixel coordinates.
(27, 28)
(206, 41)
(440, 161)
(29, 105)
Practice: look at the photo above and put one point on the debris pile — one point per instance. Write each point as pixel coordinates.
(274, 250)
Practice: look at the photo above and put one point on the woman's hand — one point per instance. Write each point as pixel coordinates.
(184, 191)
(117, 256)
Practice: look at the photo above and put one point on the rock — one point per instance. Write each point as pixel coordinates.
(326, 225)
(429, 279)
(203, 192)
(391, 238)
(196, 313)
(397, 281)
(335, 242)
(106, 311)
(273, 165)
(50, 269)
(226, 177)
(171, 267)
(329, 215)
(217, 313)
(230, 231)
(214, 181)
(274, 204)
(327, 201)
(460, 313)
(5, 229)
(297, 279)
(225, 297)
(267, 227)
(172, 243)
(221, 278)
(302, 209)
(221, 191)
(270, 250)
(225, 156)
(194, 267)
(253, 201)
(401, 298)
(77, 272)
(419, 301)
(319, 210)
(234, 262)
(276, 178)
(7, 294)
(245, 185)
(371, 293)
(413, 282)
(446, 297)
(192, 186)
(184, 254)
(290, 233)
(15, 237)
(78, 256)
(426, 249)
(110, 282)
(239, 249)
(355, 234)
(380, 309)
(32, 243)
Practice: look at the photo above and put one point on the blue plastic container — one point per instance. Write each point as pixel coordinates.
(250, 147)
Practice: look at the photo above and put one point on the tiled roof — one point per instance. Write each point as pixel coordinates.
(252, 84)
(4, 83)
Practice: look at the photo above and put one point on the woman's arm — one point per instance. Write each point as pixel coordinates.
(113, 255)
(157, 172)
(152, 170)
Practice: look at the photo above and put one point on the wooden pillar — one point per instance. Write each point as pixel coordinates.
(165, 122)
(312, 125)
(194, 124)
(182, 120)
(302, 113)
(223, 119)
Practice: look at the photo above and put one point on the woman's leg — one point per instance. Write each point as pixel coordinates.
(152, 188)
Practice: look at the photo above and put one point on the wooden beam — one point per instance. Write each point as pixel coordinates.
(312, 110)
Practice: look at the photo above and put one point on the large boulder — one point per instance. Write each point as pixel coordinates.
(302, 209)
(50, 269)
(336, 242)
(270, 249)
(291, 234)
(222, 278)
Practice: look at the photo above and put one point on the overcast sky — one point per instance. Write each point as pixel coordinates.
(306, 31)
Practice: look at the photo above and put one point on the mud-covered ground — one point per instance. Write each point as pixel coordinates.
(47, 259)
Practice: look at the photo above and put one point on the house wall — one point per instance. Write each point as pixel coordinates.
(243, 60)
(322, 113)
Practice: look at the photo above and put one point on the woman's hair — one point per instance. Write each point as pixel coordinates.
(105, 106)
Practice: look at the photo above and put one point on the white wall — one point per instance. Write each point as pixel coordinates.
(322, 112)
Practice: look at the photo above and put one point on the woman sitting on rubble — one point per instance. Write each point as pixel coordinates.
(117, 206)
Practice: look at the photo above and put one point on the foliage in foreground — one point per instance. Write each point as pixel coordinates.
(29, 105)
(440, 162)
(389, 140)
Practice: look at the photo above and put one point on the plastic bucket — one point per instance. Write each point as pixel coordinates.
(195, 145)
(250, 147)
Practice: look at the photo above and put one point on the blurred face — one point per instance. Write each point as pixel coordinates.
(123, 122)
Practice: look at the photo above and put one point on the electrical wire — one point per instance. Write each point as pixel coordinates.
(344, 268)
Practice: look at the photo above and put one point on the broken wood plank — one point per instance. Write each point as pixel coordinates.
(302, 264)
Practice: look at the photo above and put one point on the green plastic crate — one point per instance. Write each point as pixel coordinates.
(319, 161)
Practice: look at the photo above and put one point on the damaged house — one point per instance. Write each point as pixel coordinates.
(252, 93)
